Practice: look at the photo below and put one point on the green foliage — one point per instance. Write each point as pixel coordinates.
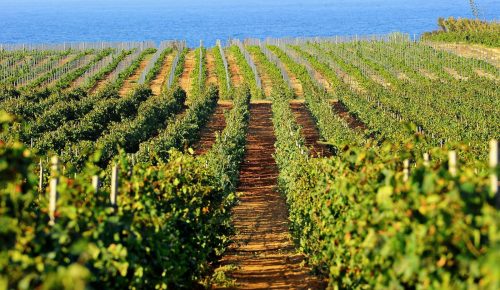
(466, 30)
(170, 222)
(151, 75)
(364, 226)
(222, 78)
(182, 132)
(197, 81)
(246, 71)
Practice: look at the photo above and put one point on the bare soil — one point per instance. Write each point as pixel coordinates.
(131, 82)
(159, 82)
(454, 74)
(428, 74)
(216, 124)
(322, 80)
(489, 54)
(296, 84)
(309, 129)
(353, 121)
(234, 70)
(185, 80)
(212, 74)
(267, 84)
(262, 251)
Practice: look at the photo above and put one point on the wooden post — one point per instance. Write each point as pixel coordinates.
(406, 170)
(452, 163)
(493, 176)
(426, 160)
(40, 177)
(114, 185)
(96, 183)
(54, 181)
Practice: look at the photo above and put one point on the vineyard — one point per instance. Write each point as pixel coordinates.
(366, 162)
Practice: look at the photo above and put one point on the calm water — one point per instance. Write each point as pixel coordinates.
(38, 21)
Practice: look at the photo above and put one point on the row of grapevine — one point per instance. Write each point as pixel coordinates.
(354, 242)
(121, 249)
(249, 61)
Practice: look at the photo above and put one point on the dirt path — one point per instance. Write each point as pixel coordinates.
(131, 82)
(489, 54)
(296, 84)
(309, 129)
(212, 74)
(262, 252)
(185, 80)
(267, 84)
(158, 83)
(353, 122)
(234, 70)
(216, 123)
(322, 80)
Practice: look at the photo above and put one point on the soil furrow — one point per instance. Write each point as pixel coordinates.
(212, 75)
(216, 124)
(158, 83)
(185, 80)
(234, 70)
(309, 129)
(267, 84)
(132, 81)
(262, 253)
(343, 112)
(296, 84)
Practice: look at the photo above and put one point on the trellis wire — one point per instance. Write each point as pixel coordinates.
(200, 69)
(163, 45)
(96, 68)
(249, 60)
(77, 46)
(179, 46)
(224, 60)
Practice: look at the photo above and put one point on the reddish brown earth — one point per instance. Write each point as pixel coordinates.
(189, 63)
(267, 84)
(343, 112)
(262, 252)
(234, 70)
(159, 82)
(309, 129)
(212, 75)
(296, 84)
(100, 84)
(216, 124)
(131, 82)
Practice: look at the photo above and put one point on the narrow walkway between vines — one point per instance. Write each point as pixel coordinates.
(216, 123)
(352, 120)
(234, 70)
(263, 254)
(159, 82)
(211, 69)
(267, 84)
(132, 81)
(309, 129)
(185, 80)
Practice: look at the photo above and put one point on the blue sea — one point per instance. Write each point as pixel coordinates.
(52, 21)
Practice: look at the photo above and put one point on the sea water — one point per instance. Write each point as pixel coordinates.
(49, 21)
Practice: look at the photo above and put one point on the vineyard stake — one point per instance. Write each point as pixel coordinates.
(114, 185)
(406, 170)
(426, 159)
(494, 156)
(54, 181)
(96, 183)
(452, 163)
(40, 177)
